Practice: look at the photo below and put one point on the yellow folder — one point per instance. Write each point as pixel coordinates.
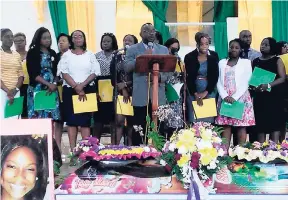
(124, 108)
(60, 91)
(207, 110)
(90, 105)
(105, 89)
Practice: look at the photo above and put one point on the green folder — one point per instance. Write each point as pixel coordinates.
(44, 101)
(234, 110)
(14, 109)
(261, 76)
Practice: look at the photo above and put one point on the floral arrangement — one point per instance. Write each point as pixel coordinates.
(263, 152)
(197, 148)
(91, 148)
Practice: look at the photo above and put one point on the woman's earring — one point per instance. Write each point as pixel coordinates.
(36, 178)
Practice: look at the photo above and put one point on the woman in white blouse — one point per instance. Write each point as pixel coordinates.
(79, 68)
(233, 83)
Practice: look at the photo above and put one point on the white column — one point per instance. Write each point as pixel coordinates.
(21, 16)
(105, 12)
(232, 28)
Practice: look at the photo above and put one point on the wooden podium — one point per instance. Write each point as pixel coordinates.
(154, 64)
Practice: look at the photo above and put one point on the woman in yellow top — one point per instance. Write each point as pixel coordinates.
(283, 52)
(20, 46)
(176, 120)
(11, 71)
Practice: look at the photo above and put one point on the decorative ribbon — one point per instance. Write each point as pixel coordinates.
(193, 188)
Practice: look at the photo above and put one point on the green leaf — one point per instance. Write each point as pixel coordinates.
(152, 125)
(148, 119)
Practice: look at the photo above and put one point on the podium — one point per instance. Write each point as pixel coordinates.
(153, 64)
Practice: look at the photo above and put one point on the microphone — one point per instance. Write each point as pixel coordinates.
(124, 48)
(150, 45)
(175, 53)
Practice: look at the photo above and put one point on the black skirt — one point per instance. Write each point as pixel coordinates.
(71, 119)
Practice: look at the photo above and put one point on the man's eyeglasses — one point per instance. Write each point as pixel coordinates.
(150, 32)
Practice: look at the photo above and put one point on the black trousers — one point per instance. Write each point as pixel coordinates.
(140, 113)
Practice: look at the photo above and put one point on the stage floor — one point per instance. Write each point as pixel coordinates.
(167, 197)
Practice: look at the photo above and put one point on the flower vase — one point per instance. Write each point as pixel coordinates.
(204, 193)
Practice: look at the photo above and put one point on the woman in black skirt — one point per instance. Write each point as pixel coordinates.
(269, 105)
(79, 68)
(105, 114)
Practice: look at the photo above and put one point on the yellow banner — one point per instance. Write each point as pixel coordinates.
(130, 16)
(256, 17)
(81, 16)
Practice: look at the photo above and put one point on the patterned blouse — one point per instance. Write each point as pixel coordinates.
(104, 62)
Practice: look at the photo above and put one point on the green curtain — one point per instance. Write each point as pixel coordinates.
(222, 10)
(280, 18)
(58, 16)
(159, 9)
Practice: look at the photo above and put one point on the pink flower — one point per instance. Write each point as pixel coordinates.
(195, 160)
(168, 168)
(177, 157)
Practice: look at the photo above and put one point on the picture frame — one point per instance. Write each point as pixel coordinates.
(32, 135)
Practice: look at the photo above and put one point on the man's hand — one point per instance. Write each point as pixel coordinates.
(148, 51)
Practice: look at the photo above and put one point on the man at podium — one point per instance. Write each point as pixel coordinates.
(140, 80)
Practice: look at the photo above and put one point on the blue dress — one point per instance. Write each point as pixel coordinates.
(46, 73)
(201, 85)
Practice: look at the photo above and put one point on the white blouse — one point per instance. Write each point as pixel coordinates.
(243, 73)
(79, 67)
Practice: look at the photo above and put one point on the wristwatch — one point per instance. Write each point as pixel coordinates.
(269, 86)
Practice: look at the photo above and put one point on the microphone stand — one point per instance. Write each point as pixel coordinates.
(115, 94)
(186, 90)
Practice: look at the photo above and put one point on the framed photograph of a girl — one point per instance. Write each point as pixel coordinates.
(25, 167)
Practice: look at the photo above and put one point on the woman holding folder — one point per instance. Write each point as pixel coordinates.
(105, 114)
(269, 105)
(42, 67)
(11, 71)
(201, 66)
(122, 83)
(78, 67)
(232, 85)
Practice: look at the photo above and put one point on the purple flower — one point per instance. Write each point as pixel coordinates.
(195, 160)
(283, 153)
(265, 152)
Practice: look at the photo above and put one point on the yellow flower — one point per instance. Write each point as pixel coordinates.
(187, 140)
(183, 160)
(278, 146)
(173, 137)
(265, 144)
(207, 155)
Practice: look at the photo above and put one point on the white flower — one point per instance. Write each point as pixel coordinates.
(86, 149)
(182, 150)
(172, 147)
(212, 165)
(163, 162)
(202, 144)
(221, 152)
(146, 149)
(217, 139)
